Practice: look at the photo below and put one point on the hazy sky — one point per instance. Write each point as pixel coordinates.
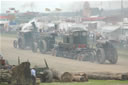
(65, 5)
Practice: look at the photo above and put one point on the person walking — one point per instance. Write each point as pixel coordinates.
(33, 74)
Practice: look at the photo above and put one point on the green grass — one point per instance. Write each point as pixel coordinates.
(90, 82)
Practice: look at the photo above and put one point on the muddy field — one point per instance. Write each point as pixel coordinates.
(60, 64)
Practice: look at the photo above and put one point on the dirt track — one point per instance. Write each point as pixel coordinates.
(60, 64)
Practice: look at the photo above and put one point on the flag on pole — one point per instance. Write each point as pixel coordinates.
(18, 60)
(58, 9)
(11, 8)
(47, 9)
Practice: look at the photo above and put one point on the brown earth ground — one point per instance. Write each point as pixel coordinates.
(61, 64)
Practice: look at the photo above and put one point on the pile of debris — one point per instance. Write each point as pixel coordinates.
(77, 77)
(49, 75)
(82, 76)
(21, 74)
(5, 76)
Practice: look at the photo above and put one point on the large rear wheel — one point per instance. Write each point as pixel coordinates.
(113, 56)
(43, 46)
(100, 56)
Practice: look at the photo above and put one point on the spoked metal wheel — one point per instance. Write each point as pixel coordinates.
(43, 46)
(100, 56)
(113, 56)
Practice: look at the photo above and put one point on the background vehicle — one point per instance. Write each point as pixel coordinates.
(27, 38)
(75, 45)
(33, 39)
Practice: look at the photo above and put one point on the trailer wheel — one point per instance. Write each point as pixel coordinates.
(114, 56)
(34, 47)
(15, 43)
(43, 46)
(100, 56)
(21, 43)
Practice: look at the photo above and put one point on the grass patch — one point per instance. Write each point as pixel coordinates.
(90, 82)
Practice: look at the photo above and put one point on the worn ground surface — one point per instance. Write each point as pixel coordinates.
(60, 64)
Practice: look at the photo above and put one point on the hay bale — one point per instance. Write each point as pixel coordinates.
(56, 75)
(79, 73)
(104, 76)
(66, 77)
(77, 77)
(80, 77)
(124, 76)
(38, 81)
(85, 77)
